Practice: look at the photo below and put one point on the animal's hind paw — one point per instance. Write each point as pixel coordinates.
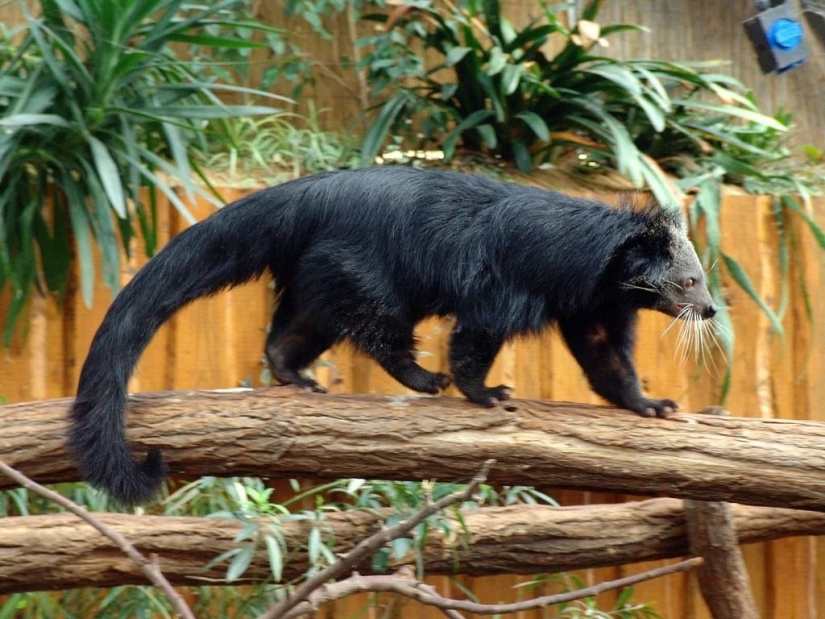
(656, 408)
(490, 396)
(307, 384)
(426, 382)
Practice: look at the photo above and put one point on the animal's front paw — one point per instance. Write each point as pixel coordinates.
(648, 407)
(436, 381)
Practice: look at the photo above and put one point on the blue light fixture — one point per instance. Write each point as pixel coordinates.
(777, 36)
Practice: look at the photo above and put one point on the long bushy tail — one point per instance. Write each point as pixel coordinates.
(224, 250)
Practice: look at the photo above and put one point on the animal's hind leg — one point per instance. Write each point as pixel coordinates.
(294, 342)
(390, 341)
(472, 352)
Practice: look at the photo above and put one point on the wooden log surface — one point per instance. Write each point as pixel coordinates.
(280, 432)
(57, 551)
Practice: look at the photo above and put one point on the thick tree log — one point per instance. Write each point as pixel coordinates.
(283, 433)
(58, 551)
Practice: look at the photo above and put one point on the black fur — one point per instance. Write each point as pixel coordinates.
(364, 255)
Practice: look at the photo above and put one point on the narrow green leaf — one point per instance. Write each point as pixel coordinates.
(498, 60)
(194, 87)
(709, 203)
(665, 192)
(173, 197)
(216, 41)
(314, 543)
(276, 557)
(488, 134)
(618, 74)
(531, 36)
(100, 217)
(82, 236)
(492, 15)
(377, 132)
(109, 175)
(226, 554)
(240, 563)
(22, 120)
(653, 86)
(474, 119)
(790, 203)
(784, 257)
(208, 112)
(510, 78)
(524, 162)
(456, 55)
(625, 79)
(177, 145)
(726, 94)
(536, 124)
(400, 547)
(489, 89)
(741, 277)
(627, 155)
(609, 29)
(732, 110)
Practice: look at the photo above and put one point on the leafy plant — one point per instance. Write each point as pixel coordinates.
(94, 106)
(494, 88)
(279, 147)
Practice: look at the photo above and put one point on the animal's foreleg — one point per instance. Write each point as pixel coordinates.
(604, 350)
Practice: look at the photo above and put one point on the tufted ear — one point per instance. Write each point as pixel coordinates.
(643, 262)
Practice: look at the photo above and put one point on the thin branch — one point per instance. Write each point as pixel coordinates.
(371, 544)
(417, 591)
(363, 87)
(149, 567)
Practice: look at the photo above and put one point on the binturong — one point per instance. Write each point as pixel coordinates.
(364, 255)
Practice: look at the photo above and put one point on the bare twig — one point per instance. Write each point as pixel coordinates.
(416, 590)
(368, 546)
(149, 567)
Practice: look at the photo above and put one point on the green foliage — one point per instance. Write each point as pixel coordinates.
(279, 147)
(495, 89)
(624, 608)
(234, 64)
(94, 106)
(755, 156)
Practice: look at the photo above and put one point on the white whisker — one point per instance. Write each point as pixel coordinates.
(698, 337)
(629, 286)
(712, 331)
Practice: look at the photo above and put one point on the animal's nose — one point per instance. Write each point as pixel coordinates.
(710, 311)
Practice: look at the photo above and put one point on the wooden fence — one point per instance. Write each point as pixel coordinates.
(218, 343)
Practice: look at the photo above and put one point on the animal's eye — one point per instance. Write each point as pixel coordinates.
(689, 282)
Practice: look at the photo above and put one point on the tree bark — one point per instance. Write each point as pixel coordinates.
(723, 578)
(57, 551)
(279, 432)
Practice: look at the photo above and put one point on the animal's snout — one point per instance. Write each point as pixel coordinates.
(710, 311)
